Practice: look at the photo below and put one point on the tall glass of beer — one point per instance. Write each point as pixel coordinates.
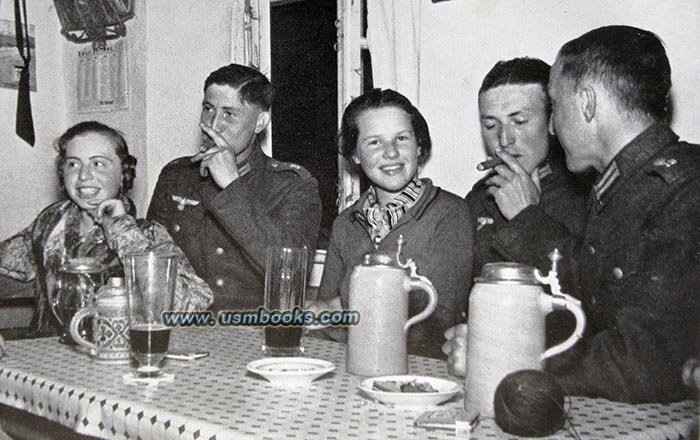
(150, 282)
(285, 287)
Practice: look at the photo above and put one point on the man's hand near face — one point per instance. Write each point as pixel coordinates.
(220, 160)
(512, 187)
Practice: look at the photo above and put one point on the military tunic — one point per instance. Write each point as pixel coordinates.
(225, 232)
(562, 200)
(637, 271)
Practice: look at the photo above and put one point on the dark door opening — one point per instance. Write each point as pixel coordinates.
(305, 75)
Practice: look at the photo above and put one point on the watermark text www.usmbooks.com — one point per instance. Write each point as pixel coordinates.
(261, 317)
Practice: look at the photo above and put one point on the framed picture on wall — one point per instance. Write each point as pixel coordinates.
(10, 61)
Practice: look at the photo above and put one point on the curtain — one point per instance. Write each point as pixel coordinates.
(393, 37)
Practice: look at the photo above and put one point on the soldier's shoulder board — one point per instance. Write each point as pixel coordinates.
(677, 164)
(279, 166)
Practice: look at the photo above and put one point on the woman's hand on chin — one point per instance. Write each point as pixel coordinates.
(108, 210)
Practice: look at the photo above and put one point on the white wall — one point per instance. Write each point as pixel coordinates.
(462, 40)
(28, 179)
(186, 40)
(172, 47)
(131, 121)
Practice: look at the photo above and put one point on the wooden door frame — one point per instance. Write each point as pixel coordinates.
(250, 45)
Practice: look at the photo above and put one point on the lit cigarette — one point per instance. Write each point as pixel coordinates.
(488, 164)
(491, 163)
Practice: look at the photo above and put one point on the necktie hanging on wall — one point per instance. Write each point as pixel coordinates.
(24, 123)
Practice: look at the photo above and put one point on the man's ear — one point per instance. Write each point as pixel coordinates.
(587, 94)
(355, 160)
(263, 120)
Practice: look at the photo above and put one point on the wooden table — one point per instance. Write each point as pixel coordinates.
(216, 398)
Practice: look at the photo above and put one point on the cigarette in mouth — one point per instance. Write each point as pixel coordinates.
(488, 164)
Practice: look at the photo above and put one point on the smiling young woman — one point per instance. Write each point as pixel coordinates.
(385, 137)
(96, 221)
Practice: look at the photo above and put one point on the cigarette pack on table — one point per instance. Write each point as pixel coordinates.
(449, 419)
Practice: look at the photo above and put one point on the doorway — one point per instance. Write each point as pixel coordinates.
(305, 115)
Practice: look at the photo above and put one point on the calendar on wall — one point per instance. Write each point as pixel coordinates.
(102, 80)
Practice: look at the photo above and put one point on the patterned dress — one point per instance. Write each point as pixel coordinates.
(37, 252)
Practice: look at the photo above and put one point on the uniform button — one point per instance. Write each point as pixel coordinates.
(219, 282)
(176, 228)
(219, 251)
(593, 300)
(617, 273)
(181, 207)
(591, 249)
(274, 164)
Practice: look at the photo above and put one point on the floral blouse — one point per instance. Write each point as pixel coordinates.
(37, 252)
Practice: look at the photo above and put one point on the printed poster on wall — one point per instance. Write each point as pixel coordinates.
(10, 61)
(102, 79)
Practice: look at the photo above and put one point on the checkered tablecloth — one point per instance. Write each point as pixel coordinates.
(216, 398)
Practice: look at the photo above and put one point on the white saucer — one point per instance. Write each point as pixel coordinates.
(445, 391)
(290, 371)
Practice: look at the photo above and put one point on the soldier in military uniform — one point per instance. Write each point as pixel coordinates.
(226, 204)
(514, 111)
(636, 268)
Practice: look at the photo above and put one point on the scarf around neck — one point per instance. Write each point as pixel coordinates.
(380, 220)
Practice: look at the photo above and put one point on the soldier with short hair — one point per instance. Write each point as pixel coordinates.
(226, 204)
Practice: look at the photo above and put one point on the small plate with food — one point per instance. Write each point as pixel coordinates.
(408, 390)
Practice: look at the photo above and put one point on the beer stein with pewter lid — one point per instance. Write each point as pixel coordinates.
(110, 323)
(379, 291)
(77, 281)
(506, 329)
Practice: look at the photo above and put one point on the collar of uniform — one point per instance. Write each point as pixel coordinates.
(642, 148)
(255, 162)
(550, 172)
(632, 157)
(605, 182)
(544, 171)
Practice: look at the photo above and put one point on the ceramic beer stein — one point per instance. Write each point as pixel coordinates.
(110, 324)
(507, 312)
(379, 290)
